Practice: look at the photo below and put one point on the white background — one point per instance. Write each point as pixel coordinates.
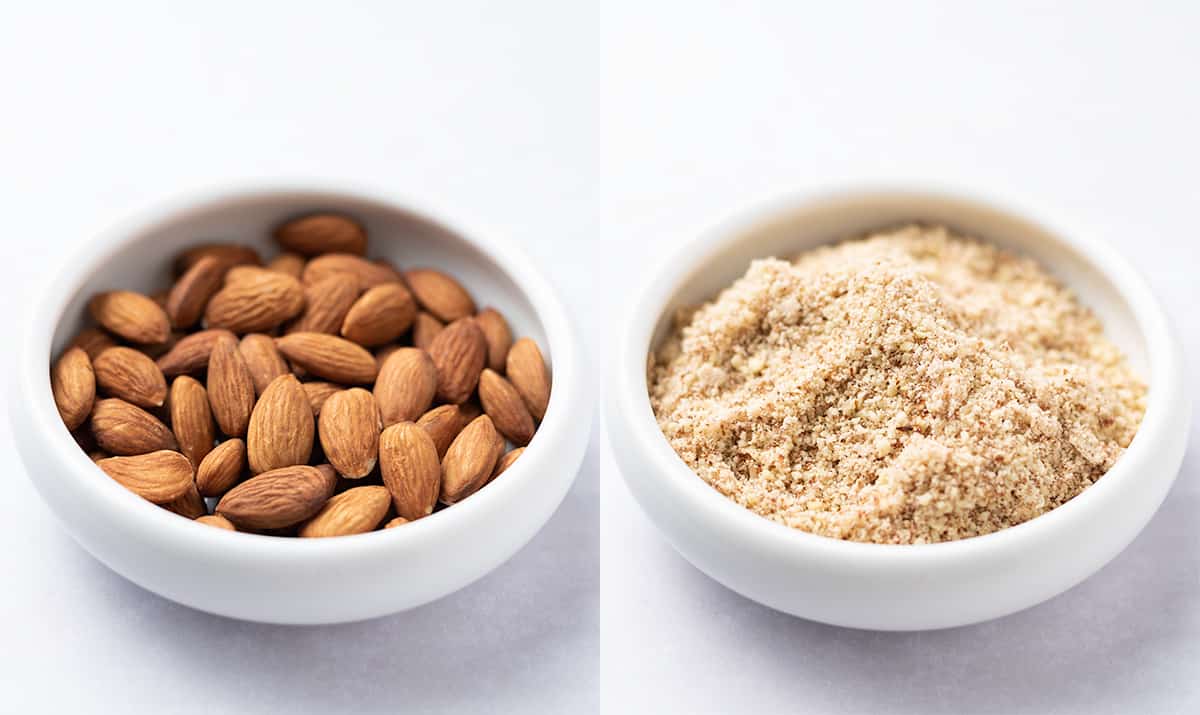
(602, 138)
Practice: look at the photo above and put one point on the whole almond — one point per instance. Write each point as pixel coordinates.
(255, 305)
(185, 303)
(128, 374)
(93, 341)
(349, 428)
(458, 353)
(469, 461)
(329, 357)
(231, 254)
(130, 315)
(290, 263)
(369, 274)
(445, 422)
(216, 520)
(398, 521)
(503, 404)
(230, 387)
(319, 392)
(281, 427)
(322, 233)
(277, 498)
(73, 383)
(124, 429)
(354, 511)
(425, 328)
(262, 360)
(221, 468)
(326, 304)
(191, 418)
(159, 476)
(190, 504)
(408, 460)
(440, 294)
(498, 337)
(506, 461)
(527, 372)
(380, 315)
(190, 354)
(406, 385)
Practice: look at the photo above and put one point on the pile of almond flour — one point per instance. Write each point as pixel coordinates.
(910, 387)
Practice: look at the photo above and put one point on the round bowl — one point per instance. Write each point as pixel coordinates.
(282, 580)
(898, 587)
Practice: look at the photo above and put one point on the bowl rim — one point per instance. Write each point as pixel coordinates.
(629, 403)
(32, 382)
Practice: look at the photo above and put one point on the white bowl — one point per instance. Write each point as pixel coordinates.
(280, 580)
(892, 587)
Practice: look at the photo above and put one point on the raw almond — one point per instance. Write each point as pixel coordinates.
(277, 498)
(503, 404)
(354, 511)
(469, 461)
(445, 422)
(380, 315)
(498, 337)
(329, 357)
(217, 521)
(369, 274)
(322, 233)
(190, 504)
(159, 476)
(231, 254)
(73, 383)
(408, 459)
(190, 354)
(425, 328)
(124, 429)
(255, 305)
(440, 294)
(93, 341)
(398, 521)
(326, 304)
(406, 385)
(318, 393)
(230, 387)
(262, 360)
(281, 427)
(221, 468)
(191, 418)
(349, 428)
(527, 372)
(130, 375)
(506, 461)
(130, 315)
(290, 263)
(458, 353)
(185, 303)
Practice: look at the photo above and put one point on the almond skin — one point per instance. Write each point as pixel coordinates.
(498, 337)
(241, 275)
(354, 511)
(469, 461)
(506, 461)
(458, 353)
(190, 294)
(408, 460)
(73, 383)
(406, 385)
(160, 476)
(527, 372)
(367, 273)
(326, 304)
(290, 263)
(440, 294)
(93, 341)
(128, 374)
(262, 360)
(216, 520)
(190, 354)
(425, 328)
(124, 429)
(230, 387)
(191, 418)
(380, 315)
(318, 393)
(231, 254)
(503, 404)
(398, 521)
(281, 427)
(255, 305)
(221, 468)
(130, 315)
(190, 505)
(349, 428)
(322, 233)
(445, 422)
(329, 357)
(277, 498)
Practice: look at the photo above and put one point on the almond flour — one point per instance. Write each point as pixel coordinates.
(913, 386)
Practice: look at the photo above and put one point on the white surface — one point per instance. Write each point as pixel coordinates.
(601, 136)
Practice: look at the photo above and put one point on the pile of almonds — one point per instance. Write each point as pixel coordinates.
(318, 394)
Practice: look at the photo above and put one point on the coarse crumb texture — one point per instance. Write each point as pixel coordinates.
(913, 386)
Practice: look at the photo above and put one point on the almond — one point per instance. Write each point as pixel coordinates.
(503, 404)
(322, 233)
(318, 393)
(190, 504)
(329, 357)
(326, 304)
(445, 422)
(425, 328)
(349, 427)
(73, 383)
(440, 294)
(159, 476)
(230, 387)
(458, 353)
(157, 350)
(93, 341)
(130, 315)
(240, 275)
(290, 263)
(497, 335)
(256, 304)
(506, 461)
(216, 520)
(277, 498)
(130, 375)
(231, 254)
(185, 303)
(281, 427)
(470, 460)
(367, 273)
(406, 385)
(408, 459)
(262, 360)
(380, 315)
(124, 429)
(398, 521)
(191, 418)
(221, 468)
(383, 353)
(190, 354)
(354, 511)
(527, 372)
